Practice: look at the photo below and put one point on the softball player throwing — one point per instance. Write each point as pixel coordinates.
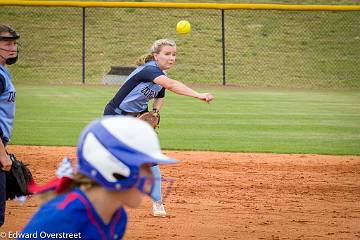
(149, 81)
(115, 155)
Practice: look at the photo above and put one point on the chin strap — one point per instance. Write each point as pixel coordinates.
(11, 60)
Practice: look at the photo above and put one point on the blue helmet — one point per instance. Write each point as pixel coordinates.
(112, 149)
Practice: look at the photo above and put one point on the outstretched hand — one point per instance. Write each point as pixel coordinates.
(206, 97)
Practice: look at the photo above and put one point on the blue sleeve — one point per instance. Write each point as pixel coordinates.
(161, 94)
(2, 89)
(149, 73)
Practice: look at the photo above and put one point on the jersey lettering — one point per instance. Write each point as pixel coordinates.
(12, 96)
(148, 93)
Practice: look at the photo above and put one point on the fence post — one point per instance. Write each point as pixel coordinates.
(223, 45)
(83, 45)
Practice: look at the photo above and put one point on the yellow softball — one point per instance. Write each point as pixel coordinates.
(183, 27)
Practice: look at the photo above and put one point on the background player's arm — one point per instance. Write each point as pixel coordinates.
(180, 88)
(4, 159)
(158, 103)
(5, 162)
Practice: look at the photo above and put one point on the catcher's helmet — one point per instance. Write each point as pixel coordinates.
(112, 149)
(7, 29)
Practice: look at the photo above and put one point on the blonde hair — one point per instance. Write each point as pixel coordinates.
(79, 180)
(155, 48)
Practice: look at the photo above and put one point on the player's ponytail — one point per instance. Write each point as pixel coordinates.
(144, 59)
(65, 185)
(67, 179)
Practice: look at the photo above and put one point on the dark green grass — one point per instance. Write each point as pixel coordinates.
(279, 121)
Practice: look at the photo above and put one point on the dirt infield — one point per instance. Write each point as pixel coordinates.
(232, 196)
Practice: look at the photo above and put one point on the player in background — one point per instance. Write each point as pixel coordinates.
(149, 81)
(115, 155)
(8, 55)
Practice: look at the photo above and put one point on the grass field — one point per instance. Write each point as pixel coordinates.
(281, 121)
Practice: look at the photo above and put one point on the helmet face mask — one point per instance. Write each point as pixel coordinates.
(112, 150)
(144, 182)
(10, 61)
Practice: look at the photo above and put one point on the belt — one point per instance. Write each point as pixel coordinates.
(122, 112)
(134, 114)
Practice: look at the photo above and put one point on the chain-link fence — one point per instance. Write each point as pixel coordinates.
(263, 48)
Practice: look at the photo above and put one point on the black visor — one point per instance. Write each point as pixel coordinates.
(14, 36)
